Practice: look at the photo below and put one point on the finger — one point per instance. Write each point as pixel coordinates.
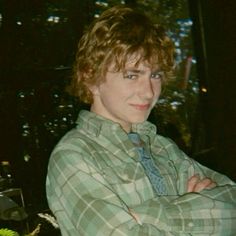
(203, 184)
(212, 185)
(192, 183)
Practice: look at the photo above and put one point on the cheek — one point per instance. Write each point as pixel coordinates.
(157, 89)
(124, 93)
(110, 96)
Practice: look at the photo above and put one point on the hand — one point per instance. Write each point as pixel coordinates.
(195, 184)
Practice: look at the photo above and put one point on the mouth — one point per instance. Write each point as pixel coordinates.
(141, 107)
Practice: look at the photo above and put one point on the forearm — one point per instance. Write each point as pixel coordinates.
(100, 218)
(176, 215)
(191, 213)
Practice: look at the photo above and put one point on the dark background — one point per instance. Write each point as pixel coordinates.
(215, 43)
(35, 112)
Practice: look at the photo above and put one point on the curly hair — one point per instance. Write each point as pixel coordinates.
(120, 32)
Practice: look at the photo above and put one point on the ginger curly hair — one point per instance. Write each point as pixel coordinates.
(120, 32)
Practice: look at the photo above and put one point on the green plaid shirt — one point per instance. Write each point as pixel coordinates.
(97, 186)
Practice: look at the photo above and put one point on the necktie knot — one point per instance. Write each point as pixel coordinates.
(135, 139)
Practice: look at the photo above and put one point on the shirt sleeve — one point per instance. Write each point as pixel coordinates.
(81, 198)
(181, 167)
(194, 213)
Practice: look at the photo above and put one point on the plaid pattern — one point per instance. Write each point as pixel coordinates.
(97, 186)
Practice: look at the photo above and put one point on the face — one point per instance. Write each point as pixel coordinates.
(127, 97)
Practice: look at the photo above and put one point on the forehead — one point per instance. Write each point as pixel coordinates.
(138, 62)
(135, 60)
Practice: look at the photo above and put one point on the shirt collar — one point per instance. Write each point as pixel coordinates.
(96, 125)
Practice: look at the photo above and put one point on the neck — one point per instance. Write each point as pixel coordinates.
(125, 126)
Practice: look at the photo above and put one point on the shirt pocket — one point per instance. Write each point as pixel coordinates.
(135, 192)
(130, 183)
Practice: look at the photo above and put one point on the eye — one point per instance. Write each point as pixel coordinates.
(130, 76)
(157, 75)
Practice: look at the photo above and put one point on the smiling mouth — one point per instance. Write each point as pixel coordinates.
(141, 107)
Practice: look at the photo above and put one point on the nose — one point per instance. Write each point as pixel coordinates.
(146, 89)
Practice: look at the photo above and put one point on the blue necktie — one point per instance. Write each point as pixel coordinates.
(151, 171)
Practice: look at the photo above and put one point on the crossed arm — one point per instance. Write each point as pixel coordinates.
(195, 184)
(93, 208)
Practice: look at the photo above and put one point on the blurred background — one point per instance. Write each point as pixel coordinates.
(38, 41)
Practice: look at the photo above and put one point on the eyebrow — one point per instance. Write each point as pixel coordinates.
(133, 70)
(136, 71)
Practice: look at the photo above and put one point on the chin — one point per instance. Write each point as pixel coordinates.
(141, 118)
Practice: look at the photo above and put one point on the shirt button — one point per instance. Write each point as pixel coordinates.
(132, 153)
(190, 224)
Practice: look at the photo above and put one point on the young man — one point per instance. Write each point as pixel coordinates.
(112, 174)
